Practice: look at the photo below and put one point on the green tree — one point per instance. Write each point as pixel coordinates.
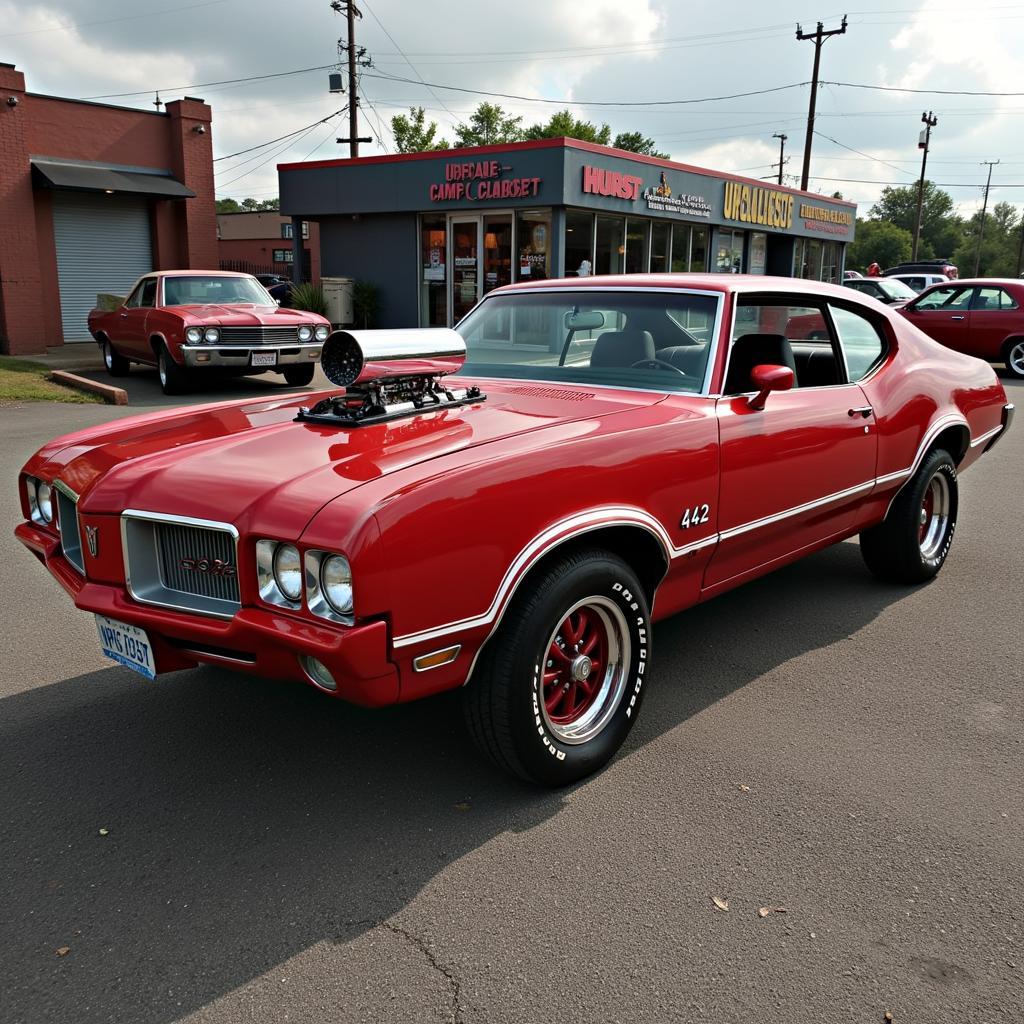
(637, 142)
(489, 125)
(941, 228)
(878, 241)
(413, 134)
(249, 205)
(228, 206)
(999, 245)
(563, 124)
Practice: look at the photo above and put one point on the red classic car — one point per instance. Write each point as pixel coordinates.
(983, 317)
(609, 452)
(183, 321)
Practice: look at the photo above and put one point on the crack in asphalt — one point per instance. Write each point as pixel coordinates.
(453, 983)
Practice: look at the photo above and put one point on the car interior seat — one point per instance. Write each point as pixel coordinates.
(622, 348)
(752, 350)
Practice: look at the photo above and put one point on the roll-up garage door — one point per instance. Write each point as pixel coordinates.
(103, 244)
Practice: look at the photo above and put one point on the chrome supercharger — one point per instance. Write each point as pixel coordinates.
(388, 374)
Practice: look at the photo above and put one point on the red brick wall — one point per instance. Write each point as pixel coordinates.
(21, 310)
(184, 231)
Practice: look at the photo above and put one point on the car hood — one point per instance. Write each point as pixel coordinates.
(251, 463)
(228, 315)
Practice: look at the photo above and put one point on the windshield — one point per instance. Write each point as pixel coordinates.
(657, 339)
(200, 290)
(896, 289)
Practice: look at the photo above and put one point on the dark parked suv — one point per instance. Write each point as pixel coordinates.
(940, 266)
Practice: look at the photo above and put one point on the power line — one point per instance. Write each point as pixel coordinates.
(273, 156)
(926, 92)
(280, 138)
(589, 103)
(876, 159)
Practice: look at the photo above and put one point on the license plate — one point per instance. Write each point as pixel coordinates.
(264, 359)
(127, 645)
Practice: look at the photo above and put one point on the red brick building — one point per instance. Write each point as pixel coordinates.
(91, 197)
(260, 242)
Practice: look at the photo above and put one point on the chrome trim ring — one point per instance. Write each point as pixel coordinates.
(610, 684)
(934, 516)
(1015, 358)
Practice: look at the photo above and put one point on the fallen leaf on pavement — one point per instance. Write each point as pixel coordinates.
(744, 789)
(63, 951)
(720, 903)
(765, 911)
(104, 832)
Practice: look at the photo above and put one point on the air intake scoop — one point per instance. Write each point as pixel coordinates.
(387, 374)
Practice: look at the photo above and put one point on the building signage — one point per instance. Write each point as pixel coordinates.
(753, 205)
(599, 182)
(480, 180)
(660, 199)
(827, 219)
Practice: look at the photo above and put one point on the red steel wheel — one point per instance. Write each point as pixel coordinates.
(585, 670)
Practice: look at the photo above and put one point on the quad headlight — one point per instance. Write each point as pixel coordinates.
(322, 333)
(194, 335)
(305, 333)
(40, 500)
(211, 335)
(283, 575)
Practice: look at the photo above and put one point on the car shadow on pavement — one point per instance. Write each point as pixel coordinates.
(144, 392)
(247, 820)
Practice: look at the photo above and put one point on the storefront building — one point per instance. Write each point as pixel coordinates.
(436, 231)
(91, 197)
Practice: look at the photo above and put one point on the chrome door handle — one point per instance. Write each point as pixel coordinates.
(960, 317)
(864, 410)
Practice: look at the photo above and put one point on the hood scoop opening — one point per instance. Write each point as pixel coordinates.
(389, 374)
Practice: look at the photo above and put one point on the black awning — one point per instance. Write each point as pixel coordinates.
(92, 177)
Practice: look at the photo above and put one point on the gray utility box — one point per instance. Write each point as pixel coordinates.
(338, 293)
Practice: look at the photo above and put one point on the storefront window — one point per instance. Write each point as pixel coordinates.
(579, 244)
(729, 252)
(680, 248)
(699, 250)
(534, 241)
(659, 246)
(465, 267)
(497, 251)
(636, 245)
(611, 245)
(433, 296)
(758, 252)
(830, 262)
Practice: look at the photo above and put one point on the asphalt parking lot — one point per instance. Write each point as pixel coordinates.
(815, 741)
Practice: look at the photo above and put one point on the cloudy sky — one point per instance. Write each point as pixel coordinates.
(595, 56)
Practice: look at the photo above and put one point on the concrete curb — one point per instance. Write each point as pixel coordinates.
(109, 394)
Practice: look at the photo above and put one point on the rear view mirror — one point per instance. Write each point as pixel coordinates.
(767, 379)
(589, 320)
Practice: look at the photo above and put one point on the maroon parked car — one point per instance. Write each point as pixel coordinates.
(983, 317)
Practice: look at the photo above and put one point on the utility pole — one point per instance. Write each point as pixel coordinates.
(984, 207)
(930, 121)
(819, 36)
(782, 149)
(356, 58)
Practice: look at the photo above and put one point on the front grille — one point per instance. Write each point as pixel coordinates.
(189, 564)
(259, 335)
(67, 523)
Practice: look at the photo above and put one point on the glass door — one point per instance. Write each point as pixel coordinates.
(465, 263)
(497, 250)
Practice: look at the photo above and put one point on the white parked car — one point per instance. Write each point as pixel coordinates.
(918, 281)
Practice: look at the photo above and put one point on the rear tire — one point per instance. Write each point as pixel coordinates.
(299, 375)
(173, 378)
(911, 544)
(116, 364)
(1013, 357)
(559, 685)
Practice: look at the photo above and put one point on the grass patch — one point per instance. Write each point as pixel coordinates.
(21, 380)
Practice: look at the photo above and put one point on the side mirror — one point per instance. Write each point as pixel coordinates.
(767, 379)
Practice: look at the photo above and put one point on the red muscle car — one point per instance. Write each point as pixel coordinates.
(608, 452)
(184, 321)
(984, 318)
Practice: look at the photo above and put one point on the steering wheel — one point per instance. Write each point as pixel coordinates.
(657, 364)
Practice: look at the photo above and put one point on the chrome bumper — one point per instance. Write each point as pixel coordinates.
(239, 356)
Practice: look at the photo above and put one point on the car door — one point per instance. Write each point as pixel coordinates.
(994, 316)
(943, 312)
(793, 472)
(134, 339)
